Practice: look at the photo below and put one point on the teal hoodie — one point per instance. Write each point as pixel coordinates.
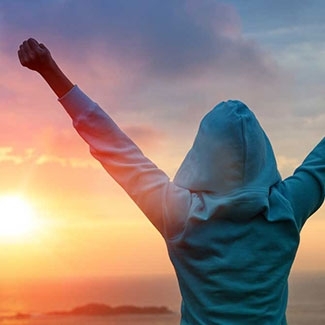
(235, 252)
(230, 223)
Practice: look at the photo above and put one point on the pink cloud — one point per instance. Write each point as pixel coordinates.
(145, 136)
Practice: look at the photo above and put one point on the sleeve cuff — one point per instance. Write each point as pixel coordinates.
(75, 102)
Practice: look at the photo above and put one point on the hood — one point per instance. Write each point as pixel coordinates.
(231, 152)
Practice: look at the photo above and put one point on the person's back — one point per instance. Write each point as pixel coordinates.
(234, 252)
(230, 223)
(233, 270)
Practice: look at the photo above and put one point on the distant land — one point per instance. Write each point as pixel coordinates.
(96, 309)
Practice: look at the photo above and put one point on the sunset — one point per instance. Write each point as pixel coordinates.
(17, 217)
(156, 68)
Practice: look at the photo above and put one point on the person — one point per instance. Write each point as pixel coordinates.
(230, 223)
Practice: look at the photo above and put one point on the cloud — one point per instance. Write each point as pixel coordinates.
(168, 38)
(145, 136)
(287, 165)
(156, 66)
(143, 52)
(272, 14)
(7, 154)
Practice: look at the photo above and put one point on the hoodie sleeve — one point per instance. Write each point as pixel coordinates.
(305, 189)
(145, 183)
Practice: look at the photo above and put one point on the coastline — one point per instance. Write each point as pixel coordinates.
(95, 309)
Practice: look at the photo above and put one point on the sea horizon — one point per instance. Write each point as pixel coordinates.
(38, 296)
(44, 295)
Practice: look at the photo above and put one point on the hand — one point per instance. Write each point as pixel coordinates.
(35, 56)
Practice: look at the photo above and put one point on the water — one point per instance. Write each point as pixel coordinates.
(306, 303)
(98, 320)
(62, 294)
(307, 299)
(35, 296)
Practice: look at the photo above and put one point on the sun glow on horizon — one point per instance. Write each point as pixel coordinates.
(17, 217)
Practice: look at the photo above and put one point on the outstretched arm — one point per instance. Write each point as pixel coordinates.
(162, 202)
(37, 57)
(305, 189)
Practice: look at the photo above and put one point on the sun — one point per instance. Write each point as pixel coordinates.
(17, 217)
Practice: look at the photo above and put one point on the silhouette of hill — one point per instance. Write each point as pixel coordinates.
(17, 316)
(94, 309)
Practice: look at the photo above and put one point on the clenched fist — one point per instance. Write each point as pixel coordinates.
(35, 56)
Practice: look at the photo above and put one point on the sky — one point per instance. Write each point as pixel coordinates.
(156, 67)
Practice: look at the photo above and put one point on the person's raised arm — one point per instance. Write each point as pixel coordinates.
(37, 57)
(305, 189)
(160, 200)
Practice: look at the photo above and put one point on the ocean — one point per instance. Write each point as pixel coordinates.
(98, 320)
(306, 301)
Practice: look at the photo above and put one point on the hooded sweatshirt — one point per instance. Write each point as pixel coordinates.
(230, 223)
